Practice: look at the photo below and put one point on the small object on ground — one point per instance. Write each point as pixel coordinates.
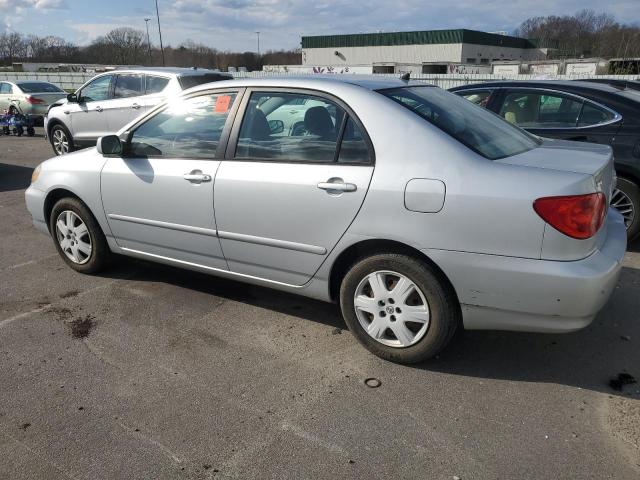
(626, 338)
(621, 380)
(336, 331)
(372, 382)
(455, 477)
(25, 425)
(352, 461)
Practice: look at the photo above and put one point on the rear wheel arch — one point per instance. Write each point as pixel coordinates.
(367, 248)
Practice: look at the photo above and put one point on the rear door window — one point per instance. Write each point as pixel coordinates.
(290, 127)
(479, 97)
(128, 86)
(5, 89)
(539, 109)
(156, 84)
(592, 115)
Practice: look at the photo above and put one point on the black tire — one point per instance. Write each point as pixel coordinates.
(632, 191)
(67, 135)
(100, 255)
(443, 306)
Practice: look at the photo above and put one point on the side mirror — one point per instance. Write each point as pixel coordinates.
(72, 98)
(109, 145)
(276, 126)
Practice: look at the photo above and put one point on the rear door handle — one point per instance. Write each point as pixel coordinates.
(135, 106)
(98, 109)
(196, 176)
(337, 185)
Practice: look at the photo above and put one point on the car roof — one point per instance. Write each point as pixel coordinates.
(563, 84)
(316, 81)
(178, 71)
(24, 82)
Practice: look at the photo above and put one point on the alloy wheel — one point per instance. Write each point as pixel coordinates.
(621, 202)
(60, 141)
(73, 237)
(391, 309)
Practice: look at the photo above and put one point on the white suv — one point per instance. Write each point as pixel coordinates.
(110, 100)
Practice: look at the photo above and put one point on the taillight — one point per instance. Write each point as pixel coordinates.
(578, 216)
(34, 101)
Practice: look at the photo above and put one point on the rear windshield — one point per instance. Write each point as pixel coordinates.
(39, 87)
(188, 81)
(477, 128)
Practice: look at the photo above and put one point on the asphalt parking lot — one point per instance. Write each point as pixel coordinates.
(147, 371)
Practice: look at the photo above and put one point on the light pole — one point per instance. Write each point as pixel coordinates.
(258, 34)
(160, 33)
(146, 22)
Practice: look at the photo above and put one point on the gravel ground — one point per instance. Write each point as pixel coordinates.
(147, 371)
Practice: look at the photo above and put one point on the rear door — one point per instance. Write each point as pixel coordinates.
(282, 201)
(554, 114)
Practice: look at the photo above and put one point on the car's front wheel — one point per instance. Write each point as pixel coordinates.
(78, 237)
(626, 199)
(60, 139)
(400, 308)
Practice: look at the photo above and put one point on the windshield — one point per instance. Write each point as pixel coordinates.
(477, 128)
(39, 87)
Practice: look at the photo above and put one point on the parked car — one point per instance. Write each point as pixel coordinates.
(630, 84)
(415, 210)
(110, 100)
(581, 111)
(28, 97)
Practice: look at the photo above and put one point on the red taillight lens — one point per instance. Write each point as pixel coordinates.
(578, 216)
(34, 100)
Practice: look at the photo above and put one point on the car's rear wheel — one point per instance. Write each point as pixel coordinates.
(61, 140)
(626, 199)
(78, 237)
(400, 308)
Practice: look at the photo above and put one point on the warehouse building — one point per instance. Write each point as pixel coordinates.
(432, 51)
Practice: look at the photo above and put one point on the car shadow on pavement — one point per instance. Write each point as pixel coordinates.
(14, 177)
(586, 359)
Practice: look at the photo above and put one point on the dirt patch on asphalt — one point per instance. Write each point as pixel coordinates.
(82, 326)
(624, 423)
(69, 294)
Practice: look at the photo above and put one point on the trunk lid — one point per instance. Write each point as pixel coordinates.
(567, 156)
(48, 98)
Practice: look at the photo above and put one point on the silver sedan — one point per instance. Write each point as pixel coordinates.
(29, 97)
(413, 209)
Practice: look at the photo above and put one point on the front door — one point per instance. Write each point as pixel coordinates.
(126, 103)
(158, 197)
(290, 189)
(88, 117)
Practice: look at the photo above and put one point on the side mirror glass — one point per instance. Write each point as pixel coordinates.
(276, 126)
(72, 98)
(109, 145)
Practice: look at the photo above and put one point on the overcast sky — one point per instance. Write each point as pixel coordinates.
(231, 24)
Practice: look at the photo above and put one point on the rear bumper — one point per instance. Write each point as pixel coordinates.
(507, 293)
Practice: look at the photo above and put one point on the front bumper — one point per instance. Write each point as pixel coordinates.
(507, 293)
(34, 199)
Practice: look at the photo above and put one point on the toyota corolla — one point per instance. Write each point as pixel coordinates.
(415, 210)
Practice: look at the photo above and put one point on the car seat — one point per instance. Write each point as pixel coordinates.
(317, 121)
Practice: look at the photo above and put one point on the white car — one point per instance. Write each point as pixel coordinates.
(110, 100)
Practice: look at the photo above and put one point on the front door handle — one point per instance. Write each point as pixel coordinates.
(337, 185)
(98, 109)
(196, 176)
(135, 106)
